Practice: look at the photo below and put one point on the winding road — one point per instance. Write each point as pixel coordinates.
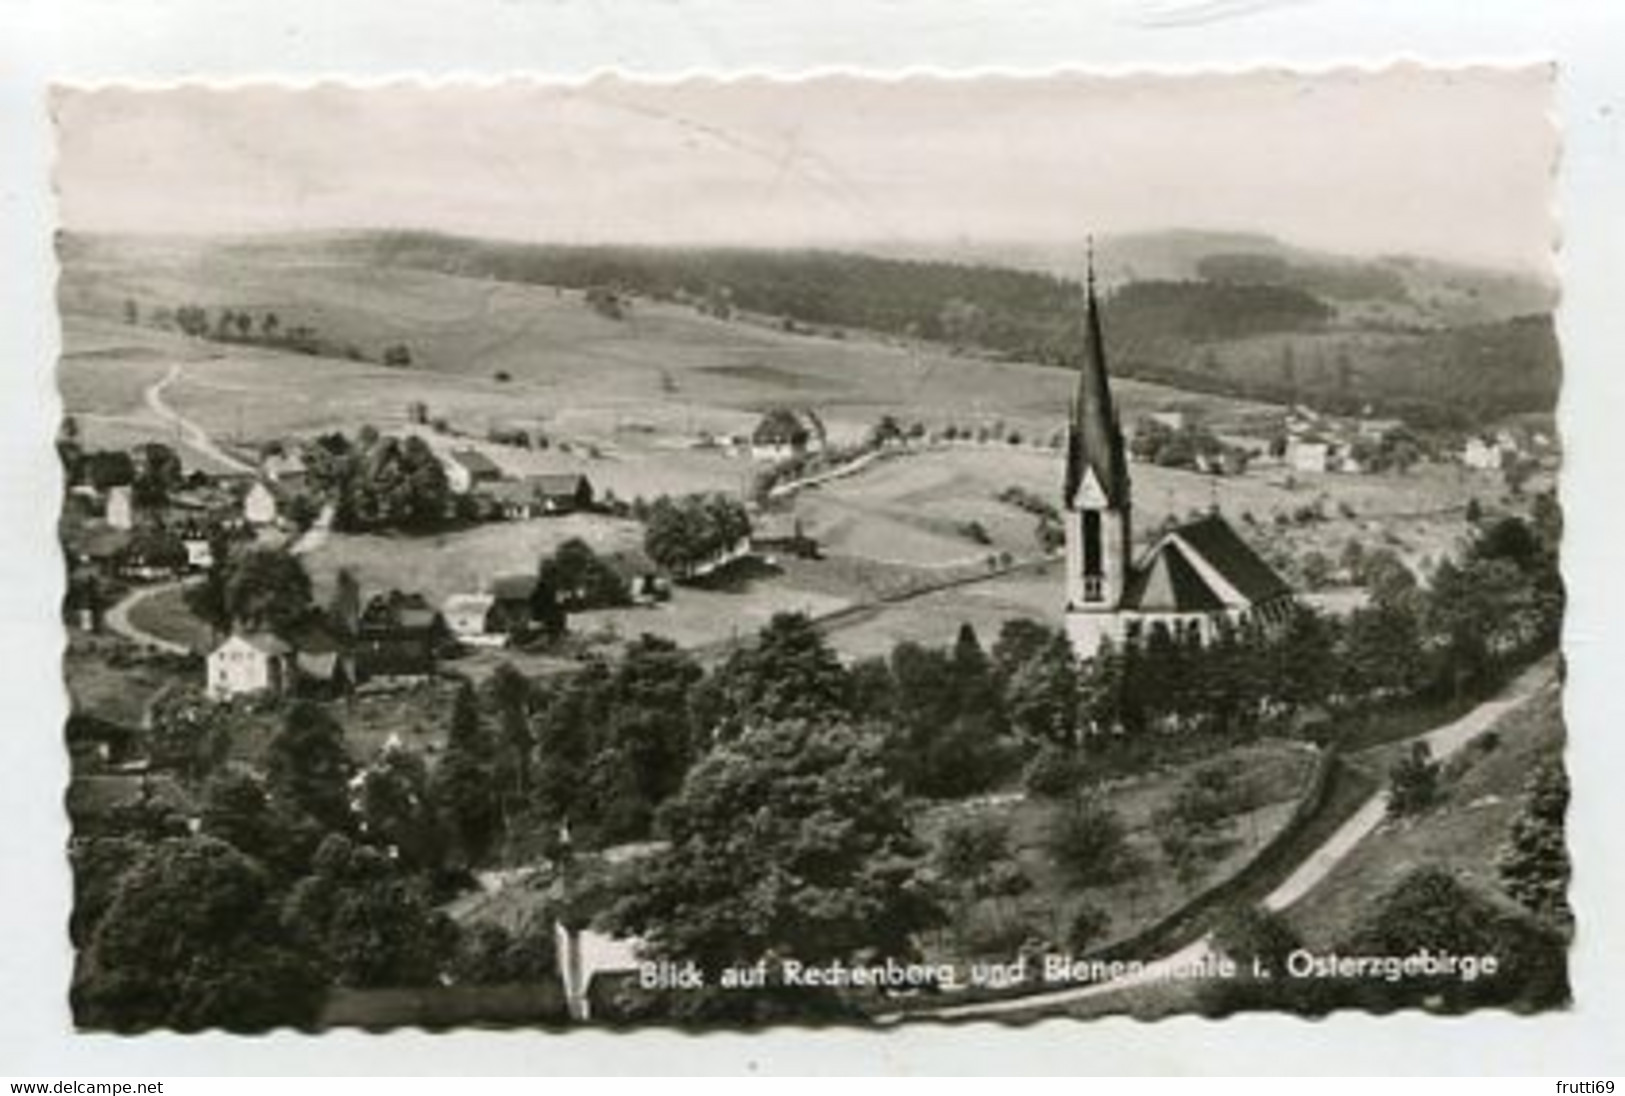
(1442, 741)
(194, 437)
(191, 435)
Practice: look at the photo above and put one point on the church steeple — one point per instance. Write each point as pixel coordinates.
(1094, 435)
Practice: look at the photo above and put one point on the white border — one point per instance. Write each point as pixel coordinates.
(92, 41)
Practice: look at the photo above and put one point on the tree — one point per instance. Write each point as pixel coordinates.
(790, 673)
(580, 580)
(344, 606)
(238, 809)
(490, 955)
(398, 356)
(463, 780)
(1088, 843)
(307, 768)
(188, 942)
(785, 841)
(1041, 694)
(132, 311)
(684, 534)
(369, 924)
(1087, 926)
(266, 588)
(396, 812)
(187, 733)
(1413, 781)
(1534, 863)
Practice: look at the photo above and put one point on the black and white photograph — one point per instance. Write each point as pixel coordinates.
(728, 554)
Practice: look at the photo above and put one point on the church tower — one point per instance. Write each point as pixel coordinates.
(1095, 497)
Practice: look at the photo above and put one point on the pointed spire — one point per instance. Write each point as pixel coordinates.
(1095, 438)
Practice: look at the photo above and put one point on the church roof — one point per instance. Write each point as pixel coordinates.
(1222, 548)
(1094, 436)
(1168, 583)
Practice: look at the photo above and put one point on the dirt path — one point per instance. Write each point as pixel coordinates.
(118, 620)
(190, 433)
(1443, 741)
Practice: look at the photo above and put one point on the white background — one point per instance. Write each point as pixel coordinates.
(86, 41)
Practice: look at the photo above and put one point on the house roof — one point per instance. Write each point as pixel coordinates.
(1094, 443)
(513, 587)
(264, 642)
(559, 483)
(1168, 583)
(468, 603)
(783, 426)
(1222, 548)
(510, 491)
(476, 462)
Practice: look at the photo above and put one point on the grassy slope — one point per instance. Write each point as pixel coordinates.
(1463, 834)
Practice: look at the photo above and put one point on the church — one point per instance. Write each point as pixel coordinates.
(1195, 578)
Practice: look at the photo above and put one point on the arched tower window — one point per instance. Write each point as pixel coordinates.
(1094, 558)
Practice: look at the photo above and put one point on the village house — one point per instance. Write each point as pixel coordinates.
(260, 505)
(199, 547)
(1305, 455)
(120, 509)
(784, 433)
(1483, 454)
(564, 493)
(782, 534)
(248, 664)
(286, 470)
(467, 469)
(541, 496)
(468, 618)
(398, 637)
(512, 608)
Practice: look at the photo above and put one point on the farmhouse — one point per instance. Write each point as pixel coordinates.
(397, 638)
(286, 470)
(1308, 456)
(563, 493)
(249, 664)
(468, 618)
(539, 496)
(1484, 454)
(512, 605)
(782, 533)
(260, 505)
(466, 469)
(784, 433)
(1194, 578)
(120, 507)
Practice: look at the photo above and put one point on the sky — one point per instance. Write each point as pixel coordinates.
(1454, 164)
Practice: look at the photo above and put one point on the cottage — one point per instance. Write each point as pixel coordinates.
(468, 618)
(120, 507)
(249, 664)
(564, 493)
(1484, 454)
(1308, 456)
(398, 637)
(784, 534)
(260, 505)
(512, 605)
(286, 470)
(466, 469)
(321, 659)
(784, 433)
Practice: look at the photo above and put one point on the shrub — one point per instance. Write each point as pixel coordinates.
(1089, 843)
(1055, 772)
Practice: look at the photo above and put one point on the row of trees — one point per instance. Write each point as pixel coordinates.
(376, 483)
(687, 533)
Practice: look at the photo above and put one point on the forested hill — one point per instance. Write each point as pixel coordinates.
(1437, 344)
(1020, 313)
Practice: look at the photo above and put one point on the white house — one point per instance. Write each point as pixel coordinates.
(120, 508)
(244, 665)
(467, 468)
(468, 616)
(1483, 455)
(784, 433)
(259, 505)
(1308, 456)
